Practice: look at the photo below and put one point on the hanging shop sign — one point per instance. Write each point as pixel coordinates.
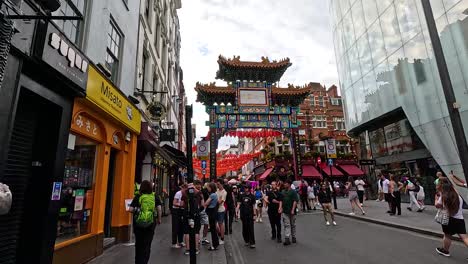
(366, 162)
(157, 111)
(106, 96)
(62, 55)
(167, 135)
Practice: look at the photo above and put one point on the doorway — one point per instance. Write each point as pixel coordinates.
(110, 194)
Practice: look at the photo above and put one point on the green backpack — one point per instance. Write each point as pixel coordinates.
(145, 216)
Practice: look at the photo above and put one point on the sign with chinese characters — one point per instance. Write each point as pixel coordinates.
(106, 96)
(252, 96)
(297, 152)
(261, 110)
(254, 124)
(87, 126)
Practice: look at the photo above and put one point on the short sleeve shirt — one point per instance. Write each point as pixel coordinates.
(385, 185)
(221, 197)
(289, 197)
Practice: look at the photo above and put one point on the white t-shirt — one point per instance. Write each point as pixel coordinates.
(385, 185)
(360, 184)
(178, 197)
(221, 197)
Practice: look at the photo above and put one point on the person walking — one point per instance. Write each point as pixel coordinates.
(325, 199)
(230, 207)
(246, 206)
(413, 189)
(360, 189)
(311, 197)
(274, 199)
(385, 189)
(259, 204)
(290, 200)
(146, 213)
(353, 196)
(421, 195)
(236, 196)
(198, 202)
(222, 195)
(211, 208)
(395, 190)
(204, 222)
(303, 192)
(177, 219)
(380, 197)
(450, 204)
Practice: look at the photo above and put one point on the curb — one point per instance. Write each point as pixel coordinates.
(399, 226)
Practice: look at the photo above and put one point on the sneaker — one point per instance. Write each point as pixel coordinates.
(176, 246)
(212, 248)
(442, 252)
(182, 244)
(187, 252)
(409, 209)
(197, 252)
(261, 221)
(205, 241)
(334, 223)
(247, 244)
(352, 213)
(294, 240)
(363, 212)
(252, 246)
(287, 242)
(420, 210)
(221, 242)
(279, 240)
(327, 223)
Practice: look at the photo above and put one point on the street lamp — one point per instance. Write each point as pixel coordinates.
(330, 164)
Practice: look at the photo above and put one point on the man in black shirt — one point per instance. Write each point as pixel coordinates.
(246, 206)
(274, 200)
(231, 208)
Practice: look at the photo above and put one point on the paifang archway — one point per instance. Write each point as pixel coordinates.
(252, 99)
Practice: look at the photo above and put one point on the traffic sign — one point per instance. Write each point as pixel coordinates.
(203, 172)
(330, 162)
(203, 147)
(203, 164)
(331, 148)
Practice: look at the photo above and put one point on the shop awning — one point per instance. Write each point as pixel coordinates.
(335, 172)
(177, 155)
(168, 157)
(309, 171)
(352, 170)
(265, 174)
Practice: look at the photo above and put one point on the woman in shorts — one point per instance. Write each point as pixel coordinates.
(353, 196)
(259, 204)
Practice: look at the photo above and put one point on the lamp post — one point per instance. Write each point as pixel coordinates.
(330, 164)
(191, 189)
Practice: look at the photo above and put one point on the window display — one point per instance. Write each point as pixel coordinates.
(77, 191)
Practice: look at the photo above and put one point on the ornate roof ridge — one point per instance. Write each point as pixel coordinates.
(264, 63)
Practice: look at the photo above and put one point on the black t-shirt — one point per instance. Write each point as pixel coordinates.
(274, 195)
(247, 202)
(324, 197)
(229, 200)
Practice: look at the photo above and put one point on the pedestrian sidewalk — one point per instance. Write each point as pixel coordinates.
(376, 212)
(161, 251)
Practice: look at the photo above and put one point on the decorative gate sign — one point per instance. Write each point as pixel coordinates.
(203, 149)
(331, 148)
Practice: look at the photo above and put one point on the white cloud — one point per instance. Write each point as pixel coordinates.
(298, 29)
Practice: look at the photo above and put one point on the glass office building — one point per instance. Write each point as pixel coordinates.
(390, 83)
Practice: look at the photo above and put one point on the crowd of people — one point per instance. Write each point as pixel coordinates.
(219, 203)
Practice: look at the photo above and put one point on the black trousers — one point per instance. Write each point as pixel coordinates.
(361, 196)
(248, 231)
(275, 223)
(305, 203)
(143, 239)
(229, 218)
(177, 226)
(396, 203)
(212, 220)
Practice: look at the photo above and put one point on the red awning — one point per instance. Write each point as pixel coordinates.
(335, 171)
(265, 174)
(352, 170)
(309, 171)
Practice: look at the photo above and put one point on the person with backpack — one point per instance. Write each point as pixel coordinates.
(146, 211)
(246, 205)
(303, 192)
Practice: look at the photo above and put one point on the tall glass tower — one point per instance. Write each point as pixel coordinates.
(390, 82)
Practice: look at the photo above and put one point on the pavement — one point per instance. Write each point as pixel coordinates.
(376, 212)
(160, 251)
(352, 241)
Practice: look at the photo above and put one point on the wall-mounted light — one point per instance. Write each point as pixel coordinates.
(128, 136)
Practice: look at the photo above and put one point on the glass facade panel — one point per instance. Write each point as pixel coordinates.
(408, 19)
(370, 12)
(358, 19)
(390, 30)
(376, 42)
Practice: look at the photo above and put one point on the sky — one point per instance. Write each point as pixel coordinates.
(298, 29)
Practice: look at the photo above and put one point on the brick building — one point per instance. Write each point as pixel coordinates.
(322, 116)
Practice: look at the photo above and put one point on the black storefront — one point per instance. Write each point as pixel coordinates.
(44, 73)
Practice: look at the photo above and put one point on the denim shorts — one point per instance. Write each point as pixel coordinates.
(220, 217)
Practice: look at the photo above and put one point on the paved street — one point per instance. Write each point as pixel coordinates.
(352, 241)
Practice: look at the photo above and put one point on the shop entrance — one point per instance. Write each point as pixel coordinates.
(110, 194)
(29, 171)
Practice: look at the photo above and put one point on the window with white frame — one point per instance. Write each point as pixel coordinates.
(321, 103)
(335, 101)
(312, 100)
(339, 123)
(113, 50)
(319, 121)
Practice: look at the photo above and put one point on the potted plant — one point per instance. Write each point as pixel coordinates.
(285, 142)
(271, 144)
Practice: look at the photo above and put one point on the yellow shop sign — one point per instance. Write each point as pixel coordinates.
(102, 93)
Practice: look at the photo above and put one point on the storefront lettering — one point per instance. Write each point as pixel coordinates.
(86, 124)
(75, 60)
(114, 98)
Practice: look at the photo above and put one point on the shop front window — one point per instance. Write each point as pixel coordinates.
(76, 199)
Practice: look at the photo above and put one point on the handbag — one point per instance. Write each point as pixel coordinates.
(6, 199)
(442, 217)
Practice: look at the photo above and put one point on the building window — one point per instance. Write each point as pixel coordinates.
(335, 101)
(155, 82)
(319, 121)
(339, 123)
(312, 100)
(71, 28)
(113, 51)
(321, 103)
(76, 203)
(156, 36)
